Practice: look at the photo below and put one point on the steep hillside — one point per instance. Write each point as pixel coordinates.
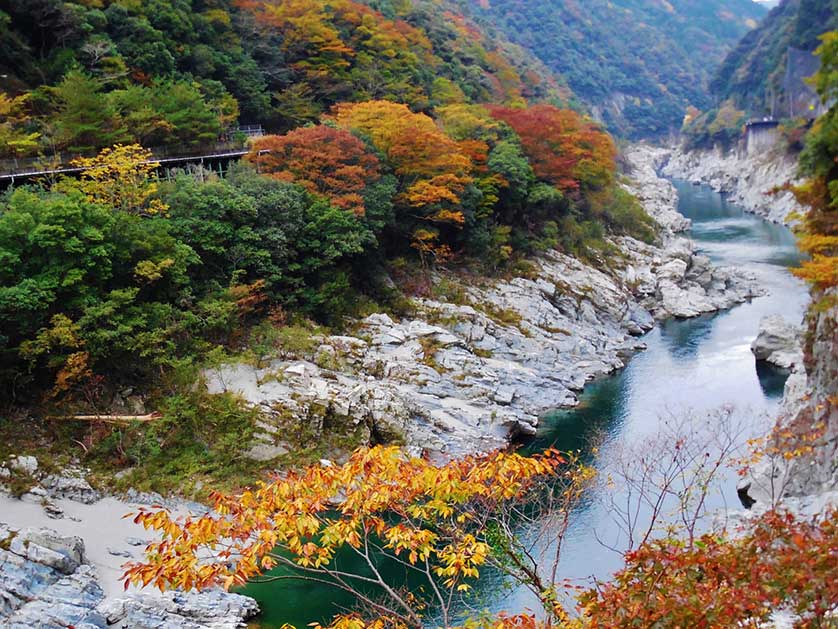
(162, 72)
(639, 63)
(755, 74)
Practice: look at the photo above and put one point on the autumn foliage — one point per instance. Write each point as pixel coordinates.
(564, 148)
(326, 161)
(819, 193)
(432, 168)
(380, 503)
(445, 524)
(120, 177)
(779, 563)
(341, 42)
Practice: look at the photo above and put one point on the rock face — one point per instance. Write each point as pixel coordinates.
(818, 473)
(45, 581)
(748, 180)
(807, 484)
(467, 377)
(212, 609)
(778, 343)
(658, 196)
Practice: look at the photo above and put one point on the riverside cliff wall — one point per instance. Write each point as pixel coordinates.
(749, 180)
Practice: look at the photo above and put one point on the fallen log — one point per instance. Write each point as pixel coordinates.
(112, 419)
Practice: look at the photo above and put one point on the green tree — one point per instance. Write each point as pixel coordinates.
(106, 278)
(85, 120)
(249, 228)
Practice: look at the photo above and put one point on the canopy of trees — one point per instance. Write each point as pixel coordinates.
(80, 76)
(114, 263)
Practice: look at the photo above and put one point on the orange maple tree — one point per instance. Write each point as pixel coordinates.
(433, 169)
(431, 519)
(326, 161)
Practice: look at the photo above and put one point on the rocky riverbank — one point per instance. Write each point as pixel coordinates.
(467, 377)
(459, 376)
(808, 482)
(55, 580)
(747, 180)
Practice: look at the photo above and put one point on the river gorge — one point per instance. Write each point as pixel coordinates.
(664, 333)
(690, 366)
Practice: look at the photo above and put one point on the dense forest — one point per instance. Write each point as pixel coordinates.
(79, 76)
(638, 63)
(116, 276)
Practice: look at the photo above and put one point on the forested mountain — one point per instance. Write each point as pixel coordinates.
(753, 75)
(638, 63)
(88, 73)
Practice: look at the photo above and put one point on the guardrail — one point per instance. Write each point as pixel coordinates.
(61, 163)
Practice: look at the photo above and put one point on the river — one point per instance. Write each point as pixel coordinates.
(689, 367)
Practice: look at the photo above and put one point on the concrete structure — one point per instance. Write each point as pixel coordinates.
(761, 135)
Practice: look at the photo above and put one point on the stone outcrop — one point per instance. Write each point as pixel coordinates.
(807, 484)
(467, 377)
(47, 582)
(778, 343)
(211, 609)
(748, 180)
(658, 196)
(818, 473)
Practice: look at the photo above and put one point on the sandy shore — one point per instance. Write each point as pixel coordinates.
(101, 525)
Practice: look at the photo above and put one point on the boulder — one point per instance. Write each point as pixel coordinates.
(210, 609)
(24, 464)
(45, 582)
(778, 342)
(46, 547)
(70, 484)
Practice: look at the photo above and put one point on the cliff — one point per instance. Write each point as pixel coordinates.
(748, 180)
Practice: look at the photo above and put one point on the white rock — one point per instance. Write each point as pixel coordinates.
(504, 395)
(25, 464)
(778, 342)
(674, 270)
(749, 181)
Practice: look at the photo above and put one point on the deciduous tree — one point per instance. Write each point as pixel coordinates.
(326, 161)
(435, 521)
(120, 178)
(564, 149)
(432, 168)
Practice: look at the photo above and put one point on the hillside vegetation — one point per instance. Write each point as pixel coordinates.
(82, 75)
(383, 155)
(751, 75)
(638, 63)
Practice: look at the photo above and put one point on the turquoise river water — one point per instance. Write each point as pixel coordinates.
(689, 367)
